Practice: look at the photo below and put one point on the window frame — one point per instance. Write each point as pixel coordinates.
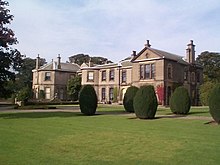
(47, 77)
(111, 94)
(124, 76)
(103, 94)
(103, 75)
(147, 71)
(90, 78)
(112, 75)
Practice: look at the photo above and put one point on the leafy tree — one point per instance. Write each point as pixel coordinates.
(205, 92)
(73, 87)
(10, 58)
(24, 94)
(24, 76)
(81, 58)
(211, 65)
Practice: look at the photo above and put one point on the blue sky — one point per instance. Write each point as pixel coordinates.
(113, 28)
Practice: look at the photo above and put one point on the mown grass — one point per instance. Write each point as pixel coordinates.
(71, 138)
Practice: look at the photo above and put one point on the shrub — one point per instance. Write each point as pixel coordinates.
(214, 103)
(205, 92)
(24, 94)
(115, 95)
(129, 97)
(88, 100)
(180, 101)
(145, 102)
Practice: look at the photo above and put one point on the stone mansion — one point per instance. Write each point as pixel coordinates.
(150, 66)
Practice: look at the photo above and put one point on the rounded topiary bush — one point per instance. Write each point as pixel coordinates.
(180, 101)
(88, 100)
(129, 97)
(214, 103)
(145, 102)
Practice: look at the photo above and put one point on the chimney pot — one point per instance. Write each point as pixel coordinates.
(148, 43)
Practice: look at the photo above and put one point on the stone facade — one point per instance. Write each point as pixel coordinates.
(52, 78)
(165, 71)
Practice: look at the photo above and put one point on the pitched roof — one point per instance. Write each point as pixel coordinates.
(64, 67)
(162, 54)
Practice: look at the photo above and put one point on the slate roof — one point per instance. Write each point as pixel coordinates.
(163, 54)
(64, 67)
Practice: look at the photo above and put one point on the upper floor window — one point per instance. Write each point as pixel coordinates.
(147, 71)
(111, 75)
(90, 76)
(123, 76)
(47, 76)
(104, 75)
(169, 71)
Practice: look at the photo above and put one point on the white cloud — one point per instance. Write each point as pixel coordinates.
(113, 28)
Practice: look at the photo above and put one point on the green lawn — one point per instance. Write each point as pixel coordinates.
(71, 138)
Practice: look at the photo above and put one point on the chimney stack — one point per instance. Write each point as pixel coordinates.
(190, 52)
(148, 44)
(133, 54)
(38, 62)
(58, 62)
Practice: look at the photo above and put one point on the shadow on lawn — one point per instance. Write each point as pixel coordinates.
(40, 115)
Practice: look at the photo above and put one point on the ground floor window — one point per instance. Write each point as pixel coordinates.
(103, 94)
(111, 95)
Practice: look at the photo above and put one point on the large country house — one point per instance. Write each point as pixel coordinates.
(165, 71)
(52, 78)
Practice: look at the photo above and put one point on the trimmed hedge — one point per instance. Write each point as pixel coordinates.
(129, 97)
(180, 101)
(145, 102)
(214, 103)
(88, 100)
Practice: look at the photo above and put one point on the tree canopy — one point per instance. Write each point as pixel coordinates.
(10, 59)
(81, 58)
(211, 65)
(73, 87)
(24, 74)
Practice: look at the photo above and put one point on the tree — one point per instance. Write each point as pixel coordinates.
(10, 59)
(211, 65)
(205, 92)
(24, 74)
(81, 58)
(73, 87)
